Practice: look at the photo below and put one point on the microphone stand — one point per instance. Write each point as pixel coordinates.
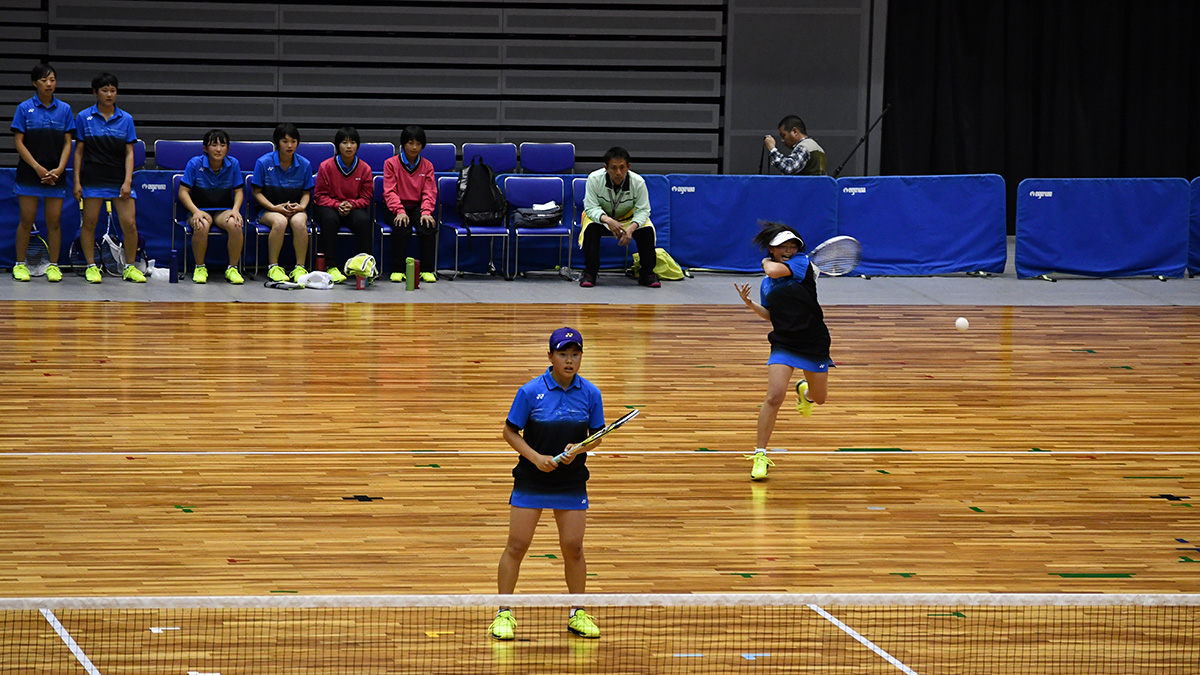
(761, 156)
(862, 140)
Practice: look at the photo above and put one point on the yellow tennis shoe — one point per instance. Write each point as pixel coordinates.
(583, 624)
(504, 626)
(20, 272)
(804, 405)
(53, 273)
(761, 462)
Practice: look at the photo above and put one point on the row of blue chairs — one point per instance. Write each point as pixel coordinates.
(521, 191)
(502, 157)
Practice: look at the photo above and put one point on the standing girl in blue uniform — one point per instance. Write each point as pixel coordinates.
(552, 412)
(42, 128)
(799, 338)
(104, 173)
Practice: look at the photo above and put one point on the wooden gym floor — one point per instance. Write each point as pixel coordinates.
(213, 449)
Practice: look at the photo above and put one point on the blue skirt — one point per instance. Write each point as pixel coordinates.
(42, 190)
(788, 358)
(106, 192)
(559, 501)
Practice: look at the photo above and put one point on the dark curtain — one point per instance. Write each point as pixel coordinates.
(1050, 89)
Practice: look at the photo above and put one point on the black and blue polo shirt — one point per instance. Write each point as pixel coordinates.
(211, 190)
(104, 146)
(45, 130)
(551, 417)
(280, 186)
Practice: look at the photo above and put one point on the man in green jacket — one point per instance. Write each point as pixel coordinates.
(616, 202)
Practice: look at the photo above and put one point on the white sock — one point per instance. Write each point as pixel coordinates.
(573, 610)
(761, 451)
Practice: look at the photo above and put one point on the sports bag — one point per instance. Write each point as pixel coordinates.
(665, 267)
(480, 201)
(526, 217)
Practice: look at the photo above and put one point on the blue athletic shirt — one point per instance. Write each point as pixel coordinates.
(211, 191)
(551, 418)
(104, 146)
(279, 186)
(45, 129)
(797, 320)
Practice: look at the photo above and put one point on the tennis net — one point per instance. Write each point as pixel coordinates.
(930, 634)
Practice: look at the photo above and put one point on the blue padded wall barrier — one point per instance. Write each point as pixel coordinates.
(915, 225)
(1102, 227)
(715, 217)
(1194, 243)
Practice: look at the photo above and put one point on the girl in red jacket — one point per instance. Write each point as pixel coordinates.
(343, 199)
(410, 192)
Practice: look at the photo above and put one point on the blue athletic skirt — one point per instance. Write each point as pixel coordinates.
(788, 358)
(42, 190)
(559, 501)
(105, 192)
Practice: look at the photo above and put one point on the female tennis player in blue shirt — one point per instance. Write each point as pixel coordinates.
(799, 338)
(554, 410)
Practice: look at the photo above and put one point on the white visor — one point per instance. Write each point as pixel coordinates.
(782, 237)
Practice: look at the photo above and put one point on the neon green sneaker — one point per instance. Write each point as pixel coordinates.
(504, 626)
(131, 273)
(397, 277)
(20, 272)
(297, 272)
(337, 275)
(92, 274)
(583, 625)
(53, 273)
(276, 273)
(761, 462)
(804, 405)
(428, 278)
(200, 275)
(233, 276)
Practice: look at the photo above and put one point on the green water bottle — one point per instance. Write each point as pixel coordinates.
(410, 274)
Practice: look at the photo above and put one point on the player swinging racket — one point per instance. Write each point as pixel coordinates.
(799, 338)
(555, 411)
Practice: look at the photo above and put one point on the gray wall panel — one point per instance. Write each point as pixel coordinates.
(22, 34)
(357, 19)
(138, 13)
(421, 81)
(615, 23)
(373, 111)
(179, 77)
(154, 46)
(188, 109)
(374, 50)
(613, 115)
(591, 85)
(584, 53)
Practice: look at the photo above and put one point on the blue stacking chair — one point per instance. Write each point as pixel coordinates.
(248, 152)
(174, 155)
(447, 215)
(375, 154)
(443, 156)
(180, 216)
(316, 152)
(502, 157)
(524, 192)
(548, 158)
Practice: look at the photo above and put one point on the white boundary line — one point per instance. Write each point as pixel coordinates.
(444, 453)
(70, 641)
(867, 643)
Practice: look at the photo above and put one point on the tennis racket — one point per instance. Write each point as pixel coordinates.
(37, 256)
(836, 257)
(110, 253)
(570, 452)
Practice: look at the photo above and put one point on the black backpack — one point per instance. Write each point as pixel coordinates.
(480, 201)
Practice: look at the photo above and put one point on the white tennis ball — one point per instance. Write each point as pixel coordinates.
(961, 323)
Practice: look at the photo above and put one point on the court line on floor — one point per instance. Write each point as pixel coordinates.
(70, 642)
(892, 453)
(865, 642)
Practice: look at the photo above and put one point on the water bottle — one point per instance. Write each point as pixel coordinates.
(360, 282)
(410, 274)
(416, 273)
(174, 266)
(320, 262)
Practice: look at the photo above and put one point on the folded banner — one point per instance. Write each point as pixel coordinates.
(920, 225)
(720, 215)
(1102, 227)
